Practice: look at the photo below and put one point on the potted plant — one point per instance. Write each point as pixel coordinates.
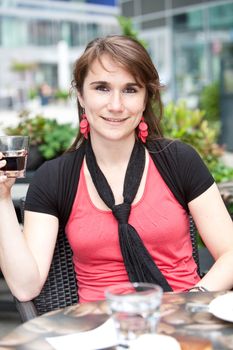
(48, 138)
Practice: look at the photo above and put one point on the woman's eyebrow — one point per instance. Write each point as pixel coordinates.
(103, 82)
(99, 82)
(133, 84)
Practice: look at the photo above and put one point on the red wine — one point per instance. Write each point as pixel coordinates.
(14, 163)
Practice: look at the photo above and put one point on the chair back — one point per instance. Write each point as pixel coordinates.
(60, 288)
(193, 236)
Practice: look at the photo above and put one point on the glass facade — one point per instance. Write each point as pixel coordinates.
(191, 43)
(42, 32)
(196, 36)
(25, 24)
(31, 30)
(201, 39)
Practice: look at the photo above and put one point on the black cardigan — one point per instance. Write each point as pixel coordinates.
(54, 186)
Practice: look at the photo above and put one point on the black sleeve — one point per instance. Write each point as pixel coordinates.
(42, 192)
(182, 169)
(195, 175)
(54, 186)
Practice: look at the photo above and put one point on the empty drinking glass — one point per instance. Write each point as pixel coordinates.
(135, 309)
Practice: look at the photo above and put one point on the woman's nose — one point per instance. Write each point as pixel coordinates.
(115, 102)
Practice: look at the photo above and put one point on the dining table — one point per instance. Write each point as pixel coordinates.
(184, 316)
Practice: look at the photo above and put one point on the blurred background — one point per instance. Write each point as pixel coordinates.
(39, 43)
(190, 42)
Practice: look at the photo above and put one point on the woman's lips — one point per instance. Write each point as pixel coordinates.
(114, 120)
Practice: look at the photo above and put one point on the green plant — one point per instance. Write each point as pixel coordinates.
(51, 137)
(127, 29)
(22, 67)
(190, 126)
(61, 95)
(230, 208)
(32, 93)
(210, 101)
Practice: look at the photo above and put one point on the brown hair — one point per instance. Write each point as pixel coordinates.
(133, 57)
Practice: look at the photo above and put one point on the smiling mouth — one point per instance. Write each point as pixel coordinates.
(115, 120)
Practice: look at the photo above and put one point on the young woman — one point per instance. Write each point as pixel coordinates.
(122, 192)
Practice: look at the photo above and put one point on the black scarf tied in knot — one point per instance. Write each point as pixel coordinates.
(121, 212)
(138, 262)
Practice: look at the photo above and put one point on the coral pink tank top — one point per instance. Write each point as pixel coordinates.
(159, 219)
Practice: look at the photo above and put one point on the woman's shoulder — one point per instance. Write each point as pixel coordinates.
(62, 164)
(66, 157)
(173, 147)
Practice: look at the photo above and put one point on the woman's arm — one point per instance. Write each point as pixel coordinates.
(216, 230)
(25, 257)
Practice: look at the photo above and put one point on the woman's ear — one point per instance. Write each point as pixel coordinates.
(145, 101)
(80, 98)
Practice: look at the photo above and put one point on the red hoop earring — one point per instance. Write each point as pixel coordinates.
(142, 130)
(84, 126)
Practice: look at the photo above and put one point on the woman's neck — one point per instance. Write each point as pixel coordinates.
(112, 152)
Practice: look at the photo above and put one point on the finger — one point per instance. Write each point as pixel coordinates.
(7, 180)
(2, 163)
(3, 178)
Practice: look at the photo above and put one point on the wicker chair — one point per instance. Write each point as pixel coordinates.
(6, 300)
(193, 235)
(60, 288)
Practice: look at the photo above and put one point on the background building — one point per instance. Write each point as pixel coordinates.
(187, 39)
(191, 43)
(40, 40)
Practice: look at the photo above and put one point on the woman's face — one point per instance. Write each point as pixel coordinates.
(114, 102)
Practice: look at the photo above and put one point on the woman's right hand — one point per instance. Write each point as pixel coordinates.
(5, 182)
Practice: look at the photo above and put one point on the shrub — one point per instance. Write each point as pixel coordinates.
(61, 95)
(51, 137)
(190, 126)
(210, 101)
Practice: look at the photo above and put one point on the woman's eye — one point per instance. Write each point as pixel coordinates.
(130, 90)
(102, 88)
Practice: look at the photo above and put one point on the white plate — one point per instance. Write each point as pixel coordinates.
(155, 341)
(222, 307)
(101, 337)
